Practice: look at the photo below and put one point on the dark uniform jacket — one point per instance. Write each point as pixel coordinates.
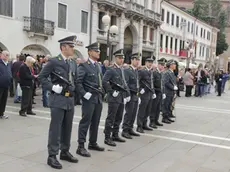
(60, 67)
(157, 81)
(5, 75)
(145, 83)
(132, 80)
(113, 76)
(90, 74)
(169, 81)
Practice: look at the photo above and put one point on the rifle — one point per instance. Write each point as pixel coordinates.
(93, 88)
(119, 87)
(62, 78)
(148, 87)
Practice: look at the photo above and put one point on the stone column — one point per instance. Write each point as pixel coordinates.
(140, 39)
(95, 17)
(164, 43)
(178, 46)
(157, 43)
(121, 35)
(169, 42)
(173, 46)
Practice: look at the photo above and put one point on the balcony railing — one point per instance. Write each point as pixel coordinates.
(39, 26)
(134, 7)
(149, 14)
(119, 3)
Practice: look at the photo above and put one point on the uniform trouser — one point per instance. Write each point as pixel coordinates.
(166, 106)
(3, 100)
(91, 114)
(114, 118)
(130, 115)
(156, 108)
(219, 84)
(26, 103)
(60, 130)
(144, 112)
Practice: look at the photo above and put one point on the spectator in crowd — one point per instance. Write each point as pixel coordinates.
(224, 80)
(15, 72)
(27, 84)
(188, 81)
(45, 93)
(218, 78)
(5, 80)
(105, 66)
(200, 81)
(78, 61)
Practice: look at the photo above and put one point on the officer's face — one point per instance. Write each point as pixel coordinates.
(135, 62)
(119, 60)
(149, 65)
(173, 66)
(68, 50)
(94, 54)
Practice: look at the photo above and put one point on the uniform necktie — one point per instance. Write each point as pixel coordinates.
(138, 84)
(123, 77)
(99, 74)
(70, 78)
(151, 79)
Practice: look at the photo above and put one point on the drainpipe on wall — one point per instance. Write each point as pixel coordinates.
(91, 21)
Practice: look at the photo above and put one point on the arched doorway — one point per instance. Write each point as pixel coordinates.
(77, 54)
(35, 50)
(130, 42)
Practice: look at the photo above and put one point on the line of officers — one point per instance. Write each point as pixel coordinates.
(141, 94)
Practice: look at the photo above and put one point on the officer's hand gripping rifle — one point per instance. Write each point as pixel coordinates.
(145, 84)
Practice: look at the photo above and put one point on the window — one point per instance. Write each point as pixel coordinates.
(175, 44)
(168, 15)
(171, 43)
(208, 36)
(166, 41)
(177, 21)
(172, 20)
(84, 21)
(151, 36)
(196, 30)
(204, 33)
(113, 20)
(188, 26)
(200, 50)
(181, 44)
(203, 52)
(6, 8)
(201, 32)
(100, 23)
(192, 28)
(144, 33)
(146, 3)
(207, 53)
(163, 14)
(161, 41)
(62, 15)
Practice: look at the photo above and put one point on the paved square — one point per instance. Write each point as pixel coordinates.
(199, 141)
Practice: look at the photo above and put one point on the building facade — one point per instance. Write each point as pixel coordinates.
(138, 23)
(35, 26)
(184, 37)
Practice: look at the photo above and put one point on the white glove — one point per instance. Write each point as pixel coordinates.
(175, 88)
(139, 100)
(163, 96)
(125, 101)
(142, 91)
(220, 79)
(115, 93)
(87, 95)
(154, 96)
(128, 99)
(57, 88)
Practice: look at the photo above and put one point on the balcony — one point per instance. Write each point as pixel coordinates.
(36, 26)
(111, 5)
(149, 16)
(148, 45)
(102, 37)
(158, 19)
(135, 11)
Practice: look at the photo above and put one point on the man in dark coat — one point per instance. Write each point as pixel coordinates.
(89, 84)
(62, 86)
(5, 81)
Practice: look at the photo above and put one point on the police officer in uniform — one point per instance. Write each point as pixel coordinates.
(89, 84)
(156, 103)
(61, 101)
(147, 93)
(113, 82)
(132, 80)
(170, 86)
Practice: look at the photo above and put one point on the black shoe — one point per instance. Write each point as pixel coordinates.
(153, 125)
(159, 124)
(82, 151)
(172, 116)
(126, 135)
(95, 147)
(133, 133)
(22, 114)
(67, 156)
(170, 120)
(118, 139)
(53, 162)
(145, 127)
(110, 142)
(31, 113)
(140, 130)
(166, 121)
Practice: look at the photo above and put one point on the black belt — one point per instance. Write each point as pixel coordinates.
(65, 93)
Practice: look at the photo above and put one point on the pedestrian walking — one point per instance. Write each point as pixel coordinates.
(61, 101)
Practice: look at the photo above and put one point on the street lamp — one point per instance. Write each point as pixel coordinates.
(113, 30)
